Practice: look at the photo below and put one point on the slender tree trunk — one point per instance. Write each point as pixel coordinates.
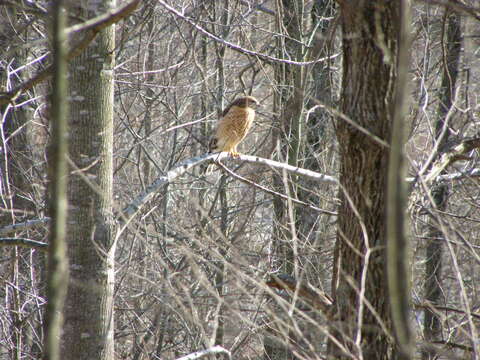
(316, 122)
(89, 306)
(288, 103)
(432, 327)
(398, 259)
(369, 76)
(288, 137)
(222, 9)
(57, 277)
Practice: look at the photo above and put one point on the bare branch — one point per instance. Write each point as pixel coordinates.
(23, 242)
(23, 226)
(456, 6)
(190, 163)
(217, 349)
(274, 193)
(315, 298)
(237, 47)
(130, 210)
(428, 305)
(456, 154)
(458, 175)
(259, 7)
(93, 27)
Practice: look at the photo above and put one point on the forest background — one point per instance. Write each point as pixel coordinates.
(349, 231)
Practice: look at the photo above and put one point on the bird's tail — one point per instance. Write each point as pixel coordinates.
(212, 147)
(210, 169)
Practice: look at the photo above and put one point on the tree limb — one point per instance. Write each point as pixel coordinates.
(237, 47)
(274, 193)
(217, 349)
(23, 226)
(24, 242)
(315, 298)
(93, 27)
(183, 167)
(457, 153)
(311, 174)
(456, 6)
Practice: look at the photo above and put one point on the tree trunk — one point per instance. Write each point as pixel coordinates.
(57, 278)
(315, 124)
(369, 76)
(432, 327)
(398, 250)
(288, 102)
(89, 306)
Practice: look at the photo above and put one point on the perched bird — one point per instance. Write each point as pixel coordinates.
(232, 128)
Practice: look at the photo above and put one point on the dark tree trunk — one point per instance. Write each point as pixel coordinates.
(369, 76)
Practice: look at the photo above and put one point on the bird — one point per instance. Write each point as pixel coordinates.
(233, 126)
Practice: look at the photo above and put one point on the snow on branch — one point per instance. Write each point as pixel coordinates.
(190, 163)
(217, 349)
(179, 170)
(186, 165)
(23, 242)
(275, 193)
(457, 153)
(23, 226)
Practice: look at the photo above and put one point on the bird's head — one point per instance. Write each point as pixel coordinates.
(246, 101)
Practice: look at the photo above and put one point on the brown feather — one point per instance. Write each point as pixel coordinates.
(232, 128)
(236, 120)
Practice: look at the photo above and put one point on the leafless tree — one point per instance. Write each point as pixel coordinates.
(278, 254)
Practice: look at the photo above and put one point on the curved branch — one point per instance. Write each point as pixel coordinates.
(457, 153)
(275, 193)
(183, 167)
(318, 299)
(217, 349)
(23, 242)
(92, 28)
(145, 196)
(456, 6)
(237, 47)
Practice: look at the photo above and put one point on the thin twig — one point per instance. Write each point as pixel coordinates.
(263, 188)
(217, 349)
(93, 28)
(237, 47)
(183, 167)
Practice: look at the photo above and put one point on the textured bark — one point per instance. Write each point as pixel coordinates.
(89, 306)
(472, 61)
(369, 76)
